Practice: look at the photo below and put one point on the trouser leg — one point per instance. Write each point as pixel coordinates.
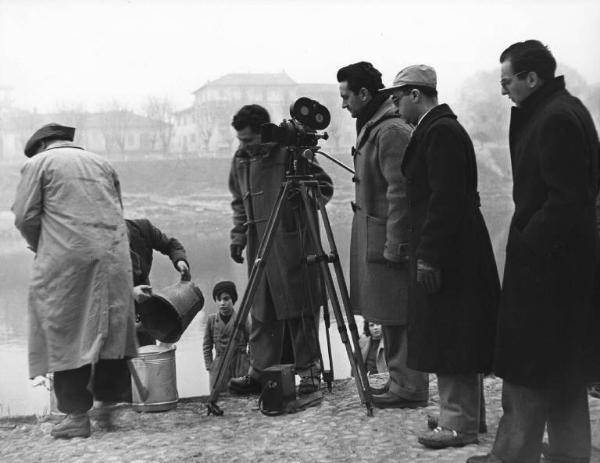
(459, 402)
(404, 382)
(266, 345)
(71, 390)
(521, 428)
(482, 414)
(569, 434)
(303, 334)
(112, 381)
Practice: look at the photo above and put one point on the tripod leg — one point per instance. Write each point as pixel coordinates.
(354, 355)
(256, 274)
(327, 374)
(362, 371)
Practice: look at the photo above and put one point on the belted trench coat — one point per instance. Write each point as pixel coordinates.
(68, 209)
(451, 331)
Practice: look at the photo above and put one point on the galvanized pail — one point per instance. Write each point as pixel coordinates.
(154, 379)
(169, 311)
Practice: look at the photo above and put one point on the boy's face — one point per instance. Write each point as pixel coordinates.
(225, 303)
(375, 329)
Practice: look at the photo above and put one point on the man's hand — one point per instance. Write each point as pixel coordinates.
(429, 276)
(236, 253)
(183, 268)
(142, 293)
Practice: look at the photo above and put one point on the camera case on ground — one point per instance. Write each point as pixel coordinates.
(278, 388)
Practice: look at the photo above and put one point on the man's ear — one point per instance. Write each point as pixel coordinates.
(416, 95)
(533, 80)
(364, 94)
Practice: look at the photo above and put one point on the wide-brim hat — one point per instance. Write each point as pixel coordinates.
(419, 75)
(49, 131)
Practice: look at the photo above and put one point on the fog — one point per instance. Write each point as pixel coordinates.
(103, 54)
(68, 52)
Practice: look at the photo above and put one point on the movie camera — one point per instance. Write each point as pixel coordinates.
(301, 131)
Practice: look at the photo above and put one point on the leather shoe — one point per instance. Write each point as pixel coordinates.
(104, 416)
(72, 425)
(432, 423)
(390, 400)
(244, 385)
(441, 438)
(309, 384)
(380, 390)
(489, 458)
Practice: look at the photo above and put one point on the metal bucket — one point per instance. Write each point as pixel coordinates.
(154, 379)
(167, 314)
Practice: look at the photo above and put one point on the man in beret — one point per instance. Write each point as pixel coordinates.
(380, 229)
(81, 317)
(454, 286)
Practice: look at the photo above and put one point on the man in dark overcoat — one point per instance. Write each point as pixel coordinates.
(454, 286)
(289, 295)
(378, 271)
(544, 347)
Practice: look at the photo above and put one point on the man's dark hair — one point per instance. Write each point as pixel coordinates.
(425, 90)
(528, 56)
(361, 75)
(252, 116)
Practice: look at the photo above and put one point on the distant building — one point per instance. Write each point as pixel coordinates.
(204, 129)
(118, 134)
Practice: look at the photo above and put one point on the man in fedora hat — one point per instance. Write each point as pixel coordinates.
(454, 287)
(378, 270)
(68, 209)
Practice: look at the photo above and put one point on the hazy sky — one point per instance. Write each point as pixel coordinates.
(62, 53)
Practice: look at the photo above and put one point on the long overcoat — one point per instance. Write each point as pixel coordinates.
(290, 286)
(217, 334)
(378, 286)
(451, 331)
(68, 209)
(546, 324)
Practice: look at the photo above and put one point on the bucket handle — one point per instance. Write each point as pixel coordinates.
(142, 391)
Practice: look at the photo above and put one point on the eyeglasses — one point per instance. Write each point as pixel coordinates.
(507, 80)
(397, 96)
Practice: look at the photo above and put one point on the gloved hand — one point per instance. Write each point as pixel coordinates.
(183, 268)
(429, 276)
(236, 253)
(142, 293)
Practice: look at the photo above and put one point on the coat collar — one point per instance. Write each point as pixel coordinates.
(542, 94)
(387, 109)
(439, 112)
(62, 144)
(262, 150)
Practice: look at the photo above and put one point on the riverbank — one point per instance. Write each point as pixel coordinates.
(337, 430)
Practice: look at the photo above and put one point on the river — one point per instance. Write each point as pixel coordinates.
(189, 200)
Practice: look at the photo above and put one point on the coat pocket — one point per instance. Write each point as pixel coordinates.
(376, 233)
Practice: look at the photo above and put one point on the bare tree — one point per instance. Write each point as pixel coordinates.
(205, 118)
(160, 112)
(114, 124)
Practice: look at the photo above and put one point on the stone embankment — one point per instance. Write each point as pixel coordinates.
(337, 430)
